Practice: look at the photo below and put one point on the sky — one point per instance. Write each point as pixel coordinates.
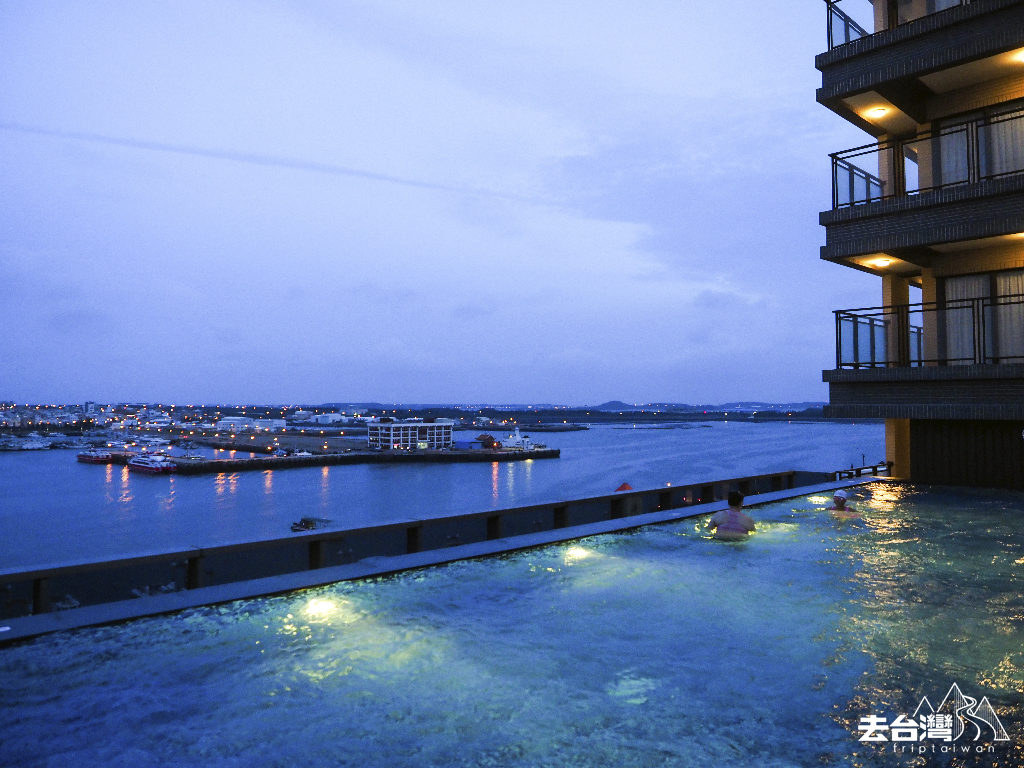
(558, 201)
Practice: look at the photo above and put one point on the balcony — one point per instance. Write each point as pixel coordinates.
(843, 29)
(965, 153)
(908, 198)
(984, 331)
(958, 360)
(919, 65)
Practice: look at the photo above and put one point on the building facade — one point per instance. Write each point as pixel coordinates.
(934, 206)
(409, 434)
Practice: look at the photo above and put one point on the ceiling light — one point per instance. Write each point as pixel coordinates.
(878, 112)
(881, 262)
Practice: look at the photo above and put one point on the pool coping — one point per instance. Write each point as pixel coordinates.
(26, 627)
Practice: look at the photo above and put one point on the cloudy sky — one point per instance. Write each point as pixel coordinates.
(560, 201)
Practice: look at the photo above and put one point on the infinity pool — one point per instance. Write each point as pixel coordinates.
(653, 648)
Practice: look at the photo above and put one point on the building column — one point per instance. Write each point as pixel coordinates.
(897, 446)
(896, 293)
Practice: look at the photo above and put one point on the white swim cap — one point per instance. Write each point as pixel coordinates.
(840, 494)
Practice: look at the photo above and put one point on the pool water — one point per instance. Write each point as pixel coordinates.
(658, 647)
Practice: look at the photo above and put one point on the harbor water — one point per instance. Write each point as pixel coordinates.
(54, 510)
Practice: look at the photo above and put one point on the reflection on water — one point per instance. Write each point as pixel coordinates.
(167, 503)
(325, 490)
(126, 489)
(652, 648)
(268, 481)
(225, 484)
(938, 602)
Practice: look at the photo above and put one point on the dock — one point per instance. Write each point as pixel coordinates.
(203, 466)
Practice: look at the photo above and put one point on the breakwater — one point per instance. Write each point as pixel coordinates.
(203, 466)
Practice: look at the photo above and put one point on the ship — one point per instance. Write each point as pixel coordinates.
(153, 464)
(94, 456)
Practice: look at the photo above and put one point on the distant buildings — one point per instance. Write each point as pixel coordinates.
(934, 207)
(409, 434)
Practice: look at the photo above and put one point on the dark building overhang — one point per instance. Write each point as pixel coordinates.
(905, 227)
(978, 392)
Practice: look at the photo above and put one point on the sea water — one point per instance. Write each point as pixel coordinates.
(659, 647)
(55, 510)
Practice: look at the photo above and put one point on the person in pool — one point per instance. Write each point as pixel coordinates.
(839, 508)
(732, 524)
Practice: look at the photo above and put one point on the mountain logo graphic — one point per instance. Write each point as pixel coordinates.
(970, 717)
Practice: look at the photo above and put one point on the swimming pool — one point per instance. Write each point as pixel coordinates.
(656, 647)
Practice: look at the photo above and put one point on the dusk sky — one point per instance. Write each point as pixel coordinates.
(401, 201)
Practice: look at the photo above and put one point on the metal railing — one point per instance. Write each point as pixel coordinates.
(842, 29)
(958, 332)
(963, 153)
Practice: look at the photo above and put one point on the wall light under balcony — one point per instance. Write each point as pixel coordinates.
(881, 262)
(878, 112)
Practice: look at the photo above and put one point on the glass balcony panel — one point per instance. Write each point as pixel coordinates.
(958, 325)
(847, 341)
(856, 184)
(842, 28)
(909, 10)
(879, 342)
(936, 161)
(916, 345)
(1001, 145)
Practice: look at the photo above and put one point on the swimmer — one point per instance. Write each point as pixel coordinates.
(839, 508)
(732, 524)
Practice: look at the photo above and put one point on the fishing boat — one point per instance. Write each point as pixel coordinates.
(154, 464)
(94, 456)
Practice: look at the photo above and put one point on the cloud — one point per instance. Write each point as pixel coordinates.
(398, 200)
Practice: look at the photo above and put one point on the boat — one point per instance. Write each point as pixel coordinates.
(94, 456)
(153, 464)
(518, 442)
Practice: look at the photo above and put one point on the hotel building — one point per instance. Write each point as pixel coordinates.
(409, 434)
(934, 206)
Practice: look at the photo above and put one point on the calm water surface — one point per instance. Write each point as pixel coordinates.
(54, 509)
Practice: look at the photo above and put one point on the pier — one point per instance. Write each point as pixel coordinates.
(187, 465)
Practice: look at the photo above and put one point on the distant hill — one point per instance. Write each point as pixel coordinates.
(615, 405)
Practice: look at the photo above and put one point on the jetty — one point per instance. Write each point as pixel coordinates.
(193, 465)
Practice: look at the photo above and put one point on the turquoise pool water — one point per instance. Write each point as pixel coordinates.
(658, 647)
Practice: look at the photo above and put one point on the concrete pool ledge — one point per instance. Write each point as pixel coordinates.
(24, 627)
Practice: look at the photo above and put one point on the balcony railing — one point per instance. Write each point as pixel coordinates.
(842, 29)
(958, 332)
(963, 153)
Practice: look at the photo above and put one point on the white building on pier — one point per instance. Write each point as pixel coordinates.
(409, 434)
